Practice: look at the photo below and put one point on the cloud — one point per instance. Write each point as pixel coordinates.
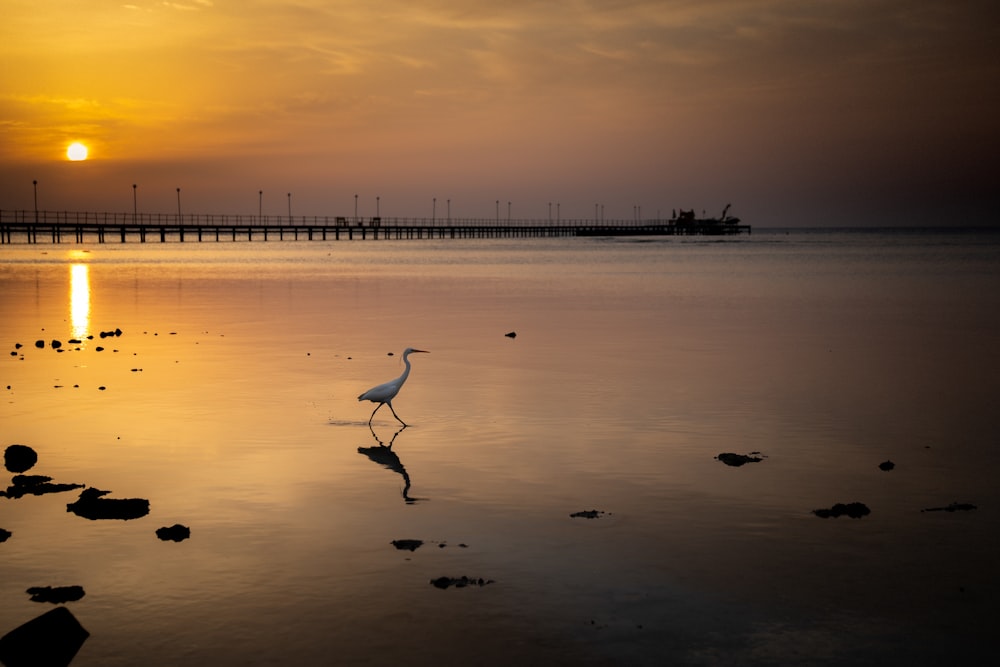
(193, 6)
(678, 92)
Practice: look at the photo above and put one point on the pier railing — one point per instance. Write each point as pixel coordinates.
(29, 226)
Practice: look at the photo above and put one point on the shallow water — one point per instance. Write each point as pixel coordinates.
(229, 401)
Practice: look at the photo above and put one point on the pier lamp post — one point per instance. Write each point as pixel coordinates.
(260, 205)
(558, 217)
(378, 208)
(178, 205)
(289, 208)
(135, 206)
(508, 213)
(449, 211)
(434, 206)
(498, 212)
(355, 209)
(34, 184)
(550, 212)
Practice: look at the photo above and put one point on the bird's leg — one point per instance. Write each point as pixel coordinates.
(395, 415)
(373, 413)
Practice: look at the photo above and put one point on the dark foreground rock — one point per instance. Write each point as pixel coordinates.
(408, 545)
(174, 533)
(19, 458)
(91, 505)
(886, 466)
(954, 507)
(36, 485)
(56, 594)
(4, 535)
(52, 639)
(736, 460)
(460, 582)
(588, 514)
(853, 510)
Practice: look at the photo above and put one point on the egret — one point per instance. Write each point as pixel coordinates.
(384, 393)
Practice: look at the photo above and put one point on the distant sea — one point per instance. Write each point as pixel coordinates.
(558, 496)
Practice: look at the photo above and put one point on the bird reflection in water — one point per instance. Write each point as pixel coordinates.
(383, 455)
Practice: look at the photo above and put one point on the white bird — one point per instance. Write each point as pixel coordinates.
(384, 393)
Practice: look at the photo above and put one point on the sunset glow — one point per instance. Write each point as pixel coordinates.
(791, 111)
(79, 299)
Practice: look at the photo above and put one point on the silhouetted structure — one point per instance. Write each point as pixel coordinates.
(59, 226)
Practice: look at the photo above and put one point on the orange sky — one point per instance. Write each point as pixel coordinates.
(797, 112)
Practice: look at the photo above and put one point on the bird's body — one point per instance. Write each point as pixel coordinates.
(385, 392)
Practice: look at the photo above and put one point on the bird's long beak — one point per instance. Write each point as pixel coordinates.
(424, 351)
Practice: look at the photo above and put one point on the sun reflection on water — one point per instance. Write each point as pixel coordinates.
(79, 299)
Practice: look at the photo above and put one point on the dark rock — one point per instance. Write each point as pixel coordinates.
(74, 341)
(56, 594)
(91, 505)
(588, 514)
(953, 507)
(175, 533)
(4, 535)
(29, 480)
(459, 582)
(40, 344)
(36, 485)
(18, 458)
(886, 465)
(51, 639)
(409, 545)
(512, 334)
(737, 460)
(56, 344)
(853, 510)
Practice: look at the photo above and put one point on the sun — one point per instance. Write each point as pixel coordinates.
(76, 151)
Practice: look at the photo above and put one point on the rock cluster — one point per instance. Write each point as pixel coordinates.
(459, 582)
(853, 510)
(92, 505)
(736, 460)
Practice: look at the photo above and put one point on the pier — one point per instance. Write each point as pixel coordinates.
(20, 226)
